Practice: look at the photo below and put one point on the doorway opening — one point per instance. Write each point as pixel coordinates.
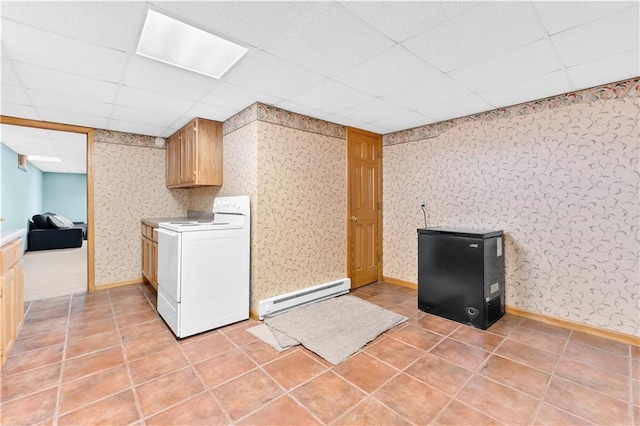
(88, 244)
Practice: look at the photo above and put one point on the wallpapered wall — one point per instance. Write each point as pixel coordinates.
(300, 228)
(559, 176)
(293, 168)
(129, 184)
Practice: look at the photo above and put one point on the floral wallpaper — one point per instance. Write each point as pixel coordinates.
(618, 90)
(280, 167)
(294, 120)
(241, 119)
(300, 216)
(120, 138)
(129, 184)
(560, 177)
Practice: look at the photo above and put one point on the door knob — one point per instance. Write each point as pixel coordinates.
(353, 218)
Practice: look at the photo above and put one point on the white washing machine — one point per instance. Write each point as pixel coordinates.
(203, 269)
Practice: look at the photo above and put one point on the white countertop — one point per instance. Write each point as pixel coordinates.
(8, 235)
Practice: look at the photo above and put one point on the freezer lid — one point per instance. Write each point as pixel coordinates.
(462, 232)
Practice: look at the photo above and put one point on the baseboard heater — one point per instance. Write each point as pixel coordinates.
(279, 304)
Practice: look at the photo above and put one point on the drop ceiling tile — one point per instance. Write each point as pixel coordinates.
(608, 36)
(141, 99)
(111, 24)
(528, 90)
(14, 95)
(48, 166)
(402, 20)
(153, 76)
(66, 140)
(253, 23)
(406, 121)
(210, 112)
(480, 33)
(46, 80)
(373, 111)
(428, 93)
(49, 50)
(273, 76)
(70, 104)
(74, 119)
(331, 97)
(136, 128)
(8, 76)
(236, 98)
(34, 149)
(458, 108)
(146, 117)
(23, 132)
(171, 130)
(388, 72)
(607, 70)
(371, 127)
(301, 109)
(522, 63)
(561, 15)
(328, 39)
(17, 110)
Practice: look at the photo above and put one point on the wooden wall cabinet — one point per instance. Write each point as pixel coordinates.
(150, 255)
(11, 295)
(194, 155)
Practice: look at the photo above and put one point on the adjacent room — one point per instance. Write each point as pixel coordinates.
(320, 212)
(45, 181)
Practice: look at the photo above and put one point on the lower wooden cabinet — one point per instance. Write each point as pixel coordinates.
(150, 255)
(11, 296)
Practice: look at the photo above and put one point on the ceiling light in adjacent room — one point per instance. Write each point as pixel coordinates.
(176, 43)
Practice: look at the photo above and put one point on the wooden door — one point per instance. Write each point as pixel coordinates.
(364, 207)
(188, 170)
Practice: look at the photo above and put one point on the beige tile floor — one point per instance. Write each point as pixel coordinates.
(107, 358)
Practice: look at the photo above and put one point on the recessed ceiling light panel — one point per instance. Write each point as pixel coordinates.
(173, 42)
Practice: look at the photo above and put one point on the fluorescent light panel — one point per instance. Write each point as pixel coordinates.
(175, 43)
(42, 158)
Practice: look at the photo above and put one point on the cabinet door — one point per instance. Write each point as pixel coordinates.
(7, 334)
(146, 257)
(188, 149)
(173, 160)
(18, 295)
(154, 264)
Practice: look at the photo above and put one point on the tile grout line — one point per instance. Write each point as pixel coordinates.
(207, 388)
(126, 361)
(56, 411)
(552, 374)
(284, 390)
(475, 373)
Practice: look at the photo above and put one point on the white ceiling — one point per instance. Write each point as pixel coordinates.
(71, 148)
(381, 66)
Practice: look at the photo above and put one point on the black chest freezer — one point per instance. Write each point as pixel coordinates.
(461, 274)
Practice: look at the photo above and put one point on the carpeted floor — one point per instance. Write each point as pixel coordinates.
(53, 273)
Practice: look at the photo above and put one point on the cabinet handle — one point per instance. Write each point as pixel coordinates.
(353, 218)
